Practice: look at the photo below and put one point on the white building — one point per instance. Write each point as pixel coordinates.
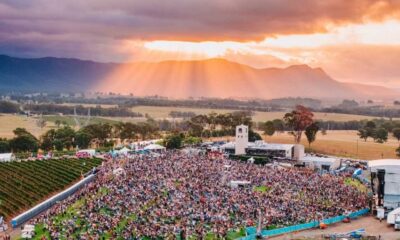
(272, 150)
(6, 157)
(385, 180)
(242, 139)
(324, 163)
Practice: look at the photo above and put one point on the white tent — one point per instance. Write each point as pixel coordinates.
(154, 147)
(235, 184)
(393, 215)
(124, 151)
(251, 160)
(6, 157)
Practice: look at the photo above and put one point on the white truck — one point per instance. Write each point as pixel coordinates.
(394, 218)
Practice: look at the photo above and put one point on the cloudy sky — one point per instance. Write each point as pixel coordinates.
(352, 40)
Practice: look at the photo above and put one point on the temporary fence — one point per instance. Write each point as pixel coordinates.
(49, 202)
(252, 232)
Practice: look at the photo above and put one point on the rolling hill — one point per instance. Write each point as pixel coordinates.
(179, 79)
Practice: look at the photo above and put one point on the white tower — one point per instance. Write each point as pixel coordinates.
(242, 139)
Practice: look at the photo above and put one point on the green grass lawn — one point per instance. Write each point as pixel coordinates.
(262, 189)
(355, 183)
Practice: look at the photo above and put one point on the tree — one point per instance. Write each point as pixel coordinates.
(58, 144)
(82, 139)
(195, 129)
(269, 128)
(398, 151)
(363, 134)
(348, 104)
(367, 131)
(279, 125)
(126, 131)
(58, 123)
(311, 133)
(174, 141)
(66, 135)
(298, 120)
(146, 129)
(47, 140)
(388, 125)
(4, 145)
(101, 132)
(23, 141)
(370, 124)
(253, 136)
(381, 135)
(192, 140)
(396, 133)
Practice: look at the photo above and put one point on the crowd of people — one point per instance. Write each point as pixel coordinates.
(177, 194)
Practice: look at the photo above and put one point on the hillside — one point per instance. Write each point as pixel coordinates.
(179, 79)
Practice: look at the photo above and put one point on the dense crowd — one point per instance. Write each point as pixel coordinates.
(178, 194)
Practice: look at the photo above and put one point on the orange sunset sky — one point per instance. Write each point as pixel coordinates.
(352, 40)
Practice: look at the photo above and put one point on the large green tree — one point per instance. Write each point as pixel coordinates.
(363, 134)
(101, 132)
(47, 140)
(4, 145)
(311, 133)
(381, 135)
(82, 139)
(174, 141)
(24, 141)
(269, 128)
(279, 125)
(396, 133)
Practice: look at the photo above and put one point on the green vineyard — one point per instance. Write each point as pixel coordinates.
(24, 184)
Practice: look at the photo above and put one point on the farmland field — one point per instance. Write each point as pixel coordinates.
(24, 184)
(344, 143)
(339, 143)
(9, 122)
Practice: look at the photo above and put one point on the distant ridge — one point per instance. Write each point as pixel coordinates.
(180, 79)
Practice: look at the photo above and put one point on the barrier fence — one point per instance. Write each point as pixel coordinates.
(252, 232)
(50, 202)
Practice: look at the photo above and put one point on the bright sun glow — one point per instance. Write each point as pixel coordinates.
(206, 49)
(373, 33)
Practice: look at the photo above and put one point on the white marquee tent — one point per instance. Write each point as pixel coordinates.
(154, 147)
(6, 157)
(124, 151)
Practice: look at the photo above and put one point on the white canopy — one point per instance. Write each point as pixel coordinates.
(154, 147)
(6, 157)
(124, 150)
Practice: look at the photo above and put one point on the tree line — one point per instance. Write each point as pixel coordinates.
(67, 138)
(53, 109)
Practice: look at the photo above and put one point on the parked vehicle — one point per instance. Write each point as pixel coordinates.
(394, 218)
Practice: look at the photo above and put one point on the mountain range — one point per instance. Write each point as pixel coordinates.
(180, 79)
